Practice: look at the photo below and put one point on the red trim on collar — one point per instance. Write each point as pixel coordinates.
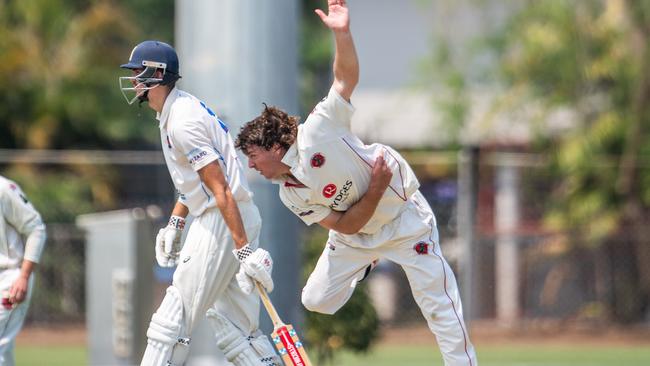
(294, 185)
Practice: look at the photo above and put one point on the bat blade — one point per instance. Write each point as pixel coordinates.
(289, 346)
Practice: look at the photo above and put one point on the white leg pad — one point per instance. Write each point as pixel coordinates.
(165, 346)
(232, 342)
(265, 349)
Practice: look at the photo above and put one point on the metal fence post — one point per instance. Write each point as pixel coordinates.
(466, 223)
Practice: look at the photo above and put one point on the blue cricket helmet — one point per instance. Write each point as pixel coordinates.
(150, 57)
(149, 53)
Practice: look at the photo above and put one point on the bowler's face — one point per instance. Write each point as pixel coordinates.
(267, 162)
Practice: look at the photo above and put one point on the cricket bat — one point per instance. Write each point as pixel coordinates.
(284, 336)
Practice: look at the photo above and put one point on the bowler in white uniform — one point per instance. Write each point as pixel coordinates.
(366, 195)
(22, 238)
(211, 185)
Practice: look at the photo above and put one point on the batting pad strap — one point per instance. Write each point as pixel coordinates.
(180, 352)
(265, 350)
(232, 342)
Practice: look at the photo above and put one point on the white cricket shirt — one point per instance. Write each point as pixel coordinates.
(19, 219)
(335, 166)
(192, 136)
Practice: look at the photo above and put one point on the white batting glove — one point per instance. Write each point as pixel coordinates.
(255, 265)
(168, 242)
(244, 281)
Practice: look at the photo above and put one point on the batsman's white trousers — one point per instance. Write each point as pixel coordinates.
(205, 275)
(414, 246)
(11, 321)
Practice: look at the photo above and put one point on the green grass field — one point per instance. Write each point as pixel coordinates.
(509, 356)
(413, 356)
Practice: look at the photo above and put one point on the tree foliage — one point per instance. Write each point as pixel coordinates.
(316, 52)
(59, 66)
(593, 58)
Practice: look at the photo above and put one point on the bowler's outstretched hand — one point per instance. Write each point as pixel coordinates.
(337, 18)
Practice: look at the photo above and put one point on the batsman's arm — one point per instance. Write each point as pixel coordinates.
(346, 62)
(180, 210)
(358, 215)
(213, 178)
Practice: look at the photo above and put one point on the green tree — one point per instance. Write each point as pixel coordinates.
(316, 53)
(58, 90)
(59, 66)
(591, 57)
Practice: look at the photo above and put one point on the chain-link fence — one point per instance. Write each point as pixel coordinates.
(532, 257)
(539, 253)
(64, 184)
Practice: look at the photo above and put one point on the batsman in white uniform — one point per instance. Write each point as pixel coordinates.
(366, 195)
(22, 238)
(210, 181)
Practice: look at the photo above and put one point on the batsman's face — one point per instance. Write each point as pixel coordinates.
(267, 162)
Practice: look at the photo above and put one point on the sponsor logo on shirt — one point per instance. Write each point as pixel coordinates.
(343, 195)
(197, 156)
(317, 160)
(13, 187)
(421, 248)
(329, 190)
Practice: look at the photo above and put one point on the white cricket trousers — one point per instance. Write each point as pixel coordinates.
(414, 246)
(11, 320)
(205, 275)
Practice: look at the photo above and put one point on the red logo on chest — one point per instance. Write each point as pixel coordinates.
(317, 160)
(329, 190)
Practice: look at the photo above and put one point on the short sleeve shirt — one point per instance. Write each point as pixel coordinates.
(192, 136)
(335, 167)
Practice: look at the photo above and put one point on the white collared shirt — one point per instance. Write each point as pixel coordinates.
(192, 136)
(335, 166)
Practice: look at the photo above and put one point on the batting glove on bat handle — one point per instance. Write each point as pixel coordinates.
(245, 281)
(168, 242)
(256, 265)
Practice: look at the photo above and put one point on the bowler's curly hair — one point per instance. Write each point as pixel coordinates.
(273, 126)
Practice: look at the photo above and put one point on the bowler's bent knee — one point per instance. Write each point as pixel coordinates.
(314, 300)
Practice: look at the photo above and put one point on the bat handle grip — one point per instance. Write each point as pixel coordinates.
(275, 318)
